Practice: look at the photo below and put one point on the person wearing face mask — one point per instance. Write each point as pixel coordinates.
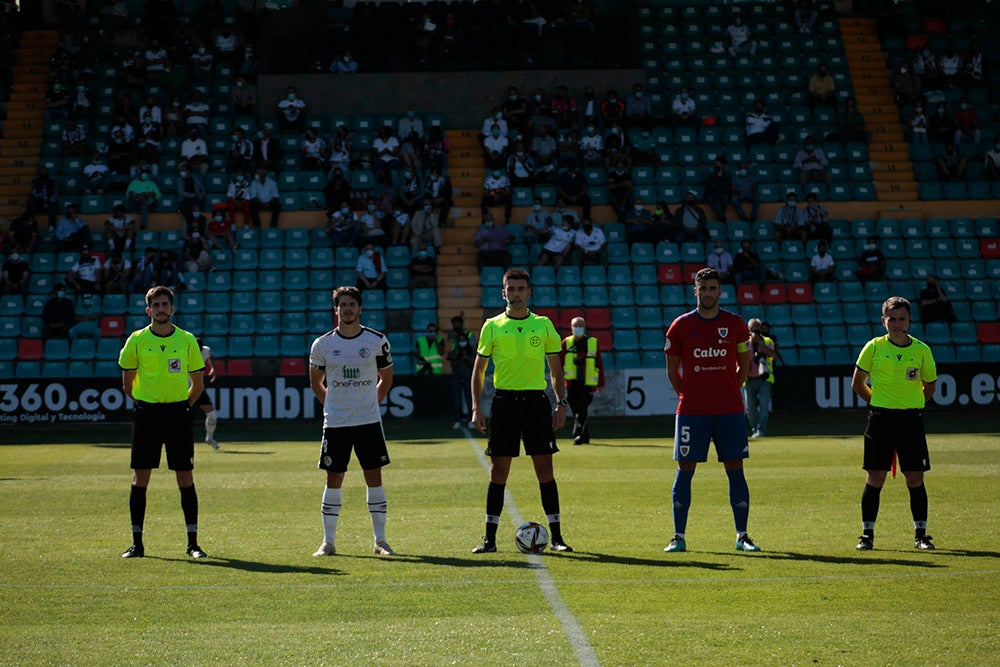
(718, 188)
(263, 195)
(812, 163)
(521, 167)
(760, 126)
(951, 66)
(638, 107)
(399, 226)
(370, 268)
(58, 314)
(97, 175)
(590, 246)
(591, 147)
(497, 192)
(563, 108)
(201, 64)
(190, 192)
(462, 357)
(740, 38)
(790, 220)
(87, 320)
(720, 260)
(344, 64)
(425, 226)
(423, 268)
(991, 162)
(918, 124)
(941, 126)
(745, 190)
(291, 112)
(907, 85)
(571, 185)
(491, 242)
(684, 109)
(494, 120)
(747, 266)
(692, 223)
(16, 274)
(495, 148)
(84, 277)
(620, 188)
(515, 110)
(74, 139)
(822, 265)
(438, 189)
(760, 380)
(119, 229)
(385, 149)
(239, 155)
(951, 164)
(237, 193)
(583, 370)
(143, 195)
(822, 88)
(612, 109)
(430, 352)
(220, 229)
(370, 225)
(194, 150)
(559, 245)
(196, 113)
(871, 262)
(72, 232)
(643, 149)
(966, 123)
(243, 96)
(117, 272)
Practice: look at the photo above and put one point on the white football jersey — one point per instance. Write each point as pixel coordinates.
(351, 366)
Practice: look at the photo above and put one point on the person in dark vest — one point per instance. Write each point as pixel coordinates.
(584, 373)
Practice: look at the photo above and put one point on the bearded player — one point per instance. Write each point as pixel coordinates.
(707, 362)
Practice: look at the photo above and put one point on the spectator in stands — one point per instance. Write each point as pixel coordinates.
(521, 167)
(190, 192)
(196, 113)
(199, 225)
(790, 220)
(85, 276)
(952, 66)
(991, 162)
(544, 152)
(339, 149)
(643, 148)
(266, 152)
(425, 226)
(821, 266)
(436, 148)
(494, 120)
(718, 188)
(806, 12)
(249, 64)
(740, 38)
(559, 244)
(966, 123)
(409, 123)
(43, 196)
(87, 319)
(592, 147)
(144, 274)
(120, 154)
(638, 107)
(117, 273)
(515, 110)
(155, 59)
(572, 186)
(423, 267)
(411, 149)
(243, 96)
(385, 149)
(747, 266)
(438, 190)
(918, 124)
(173, 118)
(684, 110)
(370, 225)
(639, 225)
(616, 147)
(201, 64)
(941, 127)
(143, 195)
(72, 231)
(745, 190)
(149, 131)
(812, 163)
(58, 314)
(760, 126)
(951, 164)
(239, 155)
(263, 195)
(291, 112)
(341, 225)
(119, 229)
(226, 43)
(151, 110)
(853, 126)
(80, 102)
(345, 64)
(537, 224)
(22, 235)
(123, 125)
(720, 260)
(590, 245)
(370, 268)
(425, 36)
(57, 102)
(74, 139)
(871, 262)
(822, 88)
(561, 210)
(589, 109)
(410, 192)
(313, 151)
(168, 271)
(491, 241)
(612, 109)
(16, 275)
(495, 147)
(620, 188)
(384, 192)
(973, 65)
(926, 65)
(564, 109)
(816, 221)
(237, 196)
(690, 220)
(194, 150)
(497, 191)
(907, 85)
(934, 303)
(399, 225)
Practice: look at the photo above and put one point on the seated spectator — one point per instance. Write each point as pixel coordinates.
(537, 224)
(853, 127)
(491, 241)
(370, 225)
(612, 109)
(119, 229)
(384, 192)
(572, 186)
(559, 244)
(266, 152)
(58, 314)
(385, 150)
(199, 225)
(918, 124)
(741, 40)
(173, 118)
(495, 146)
(120, 154)
(342, 226)
(592, 147)
(790, 220)
(973, 65)
(425, 226)
(747, 266)
(941, 127)
(72, 231)
(194, 150)
(291, 112)
(521, 167)
(589, 109)
(240, 152)
(616, 147)
(690, 220)
(80, 103)
(168, 271)
(934, 303)
(620, 188)
(638, 107)
(720, 260)
(643, 149)
(87, 320)
(237, 197)
(313, 151)
(684, 110)
(196, 113)
(243, 96)
(951, 164)
(399, 226)
(156, 60)
(201, 64)
(816, 223)
(426, 36)
(806, 12)
(143, 195)
(745, 190)
(149, 129)
(150, 109)
(515, 110)
(966, 123)
(952, 66)
(423, 268)
(117, 273)
(410, 123)
(16, 275)
(718, 188)
(564, 108)
(544, 152)
(196, 255)
(494, 120)
(568, 148)
(249, 64)
(497, 191)
(96, 174)
(146, 157)
(57, 102)
(74, 139)
(85, 275)
(991, 162)
(590, 246)
(226, 44)
(411, 149)
(190, 192)
(907, 86)
(339, 150)
(925, 64)
(345, 64)
(822, 88)
(812, 163)
(22, 234)
(43, 196)
(871, 262)
(263, 195)
(760, 127)
(821, 266)
(436, 148)
(438, 189)
(144, 273)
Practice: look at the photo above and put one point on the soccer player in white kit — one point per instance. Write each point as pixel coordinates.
(204, 401)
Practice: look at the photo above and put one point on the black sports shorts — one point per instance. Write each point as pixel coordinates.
(517, 416)
(366, 440)
(900, 431)
(159, 425)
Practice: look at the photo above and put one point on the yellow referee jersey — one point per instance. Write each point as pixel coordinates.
(518, 348)
(897, 373)
(162, 364)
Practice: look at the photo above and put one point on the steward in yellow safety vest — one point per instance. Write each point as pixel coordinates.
(584, 373)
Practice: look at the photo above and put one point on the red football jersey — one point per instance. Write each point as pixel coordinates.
(708, 350)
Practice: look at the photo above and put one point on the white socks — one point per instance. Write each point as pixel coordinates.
(211, 419)
(377, 507)
(331, 513)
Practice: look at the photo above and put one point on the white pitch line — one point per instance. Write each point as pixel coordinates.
(571, 626)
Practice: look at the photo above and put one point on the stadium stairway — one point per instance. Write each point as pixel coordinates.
(21, 144)
(458, 277)
(890, 161)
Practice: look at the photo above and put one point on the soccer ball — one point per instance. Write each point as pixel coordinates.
(531, 537)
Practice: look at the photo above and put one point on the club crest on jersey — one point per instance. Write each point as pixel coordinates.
(364, 353)
(723, 332)
(685, 449)
(534, 341)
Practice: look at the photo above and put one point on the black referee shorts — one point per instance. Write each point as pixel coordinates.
(517, 416)
(899, 431)
(159, 425)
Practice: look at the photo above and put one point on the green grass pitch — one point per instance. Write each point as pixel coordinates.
(261, 599)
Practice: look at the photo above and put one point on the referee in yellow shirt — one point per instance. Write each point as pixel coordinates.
(520, 344)
(903, 374)
(162, 373)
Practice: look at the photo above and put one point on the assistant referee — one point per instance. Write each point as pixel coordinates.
(903, 375)
(520, 343)
(162, 373)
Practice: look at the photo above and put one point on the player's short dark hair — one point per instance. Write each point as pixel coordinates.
(159, 290)
(347, 290)
(706, 274)
(894, 302)
(516, 274)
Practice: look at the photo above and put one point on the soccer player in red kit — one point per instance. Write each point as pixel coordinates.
(708, 359)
